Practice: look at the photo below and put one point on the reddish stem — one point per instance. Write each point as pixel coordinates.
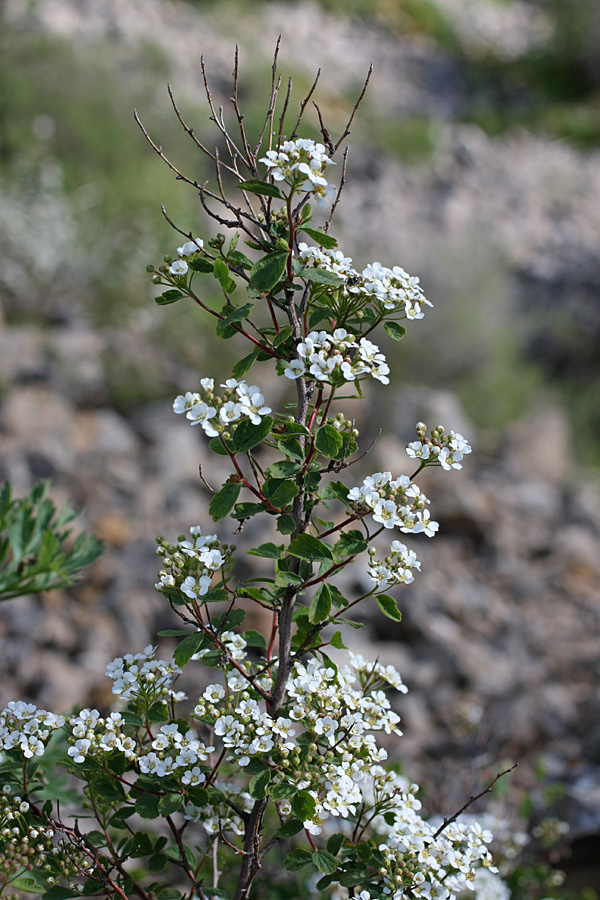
(273, 635)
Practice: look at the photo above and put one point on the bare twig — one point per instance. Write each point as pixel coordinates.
(346, 131)
(324, 133)
(339, 192)
(304, 104)
(472, 800)
(250, 158)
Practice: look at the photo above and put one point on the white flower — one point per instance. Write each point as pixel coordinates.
(190, 247)
(178, 267)
(295, 369)
(252, 406)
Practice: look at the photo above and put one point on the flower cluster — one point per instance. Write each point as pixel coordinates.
(338, 357)
(26, 728)
(301, 164)
(180, 266)
(395, 568)
(447, 450)
(189, 565)
(139, 675)
(394, 503)
(217, 414)
(393, 289)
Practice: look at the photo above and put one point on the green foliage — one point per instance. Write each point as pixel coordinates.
(36, 553)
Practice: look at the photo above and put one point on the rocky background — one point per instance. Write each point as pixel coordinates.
(500, 640)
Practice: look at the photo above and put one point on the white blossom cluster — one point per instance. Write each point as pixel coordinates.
(142, 675)
(26, 728)
(217, 414)
(394, 503)
(392, 289)
(338, 356)
(301, 164)
(395, 568)
(190, 565)
(180, 266)
(447, 450)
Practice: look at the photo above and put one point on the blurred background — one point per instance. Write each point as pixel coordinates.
(475, 164)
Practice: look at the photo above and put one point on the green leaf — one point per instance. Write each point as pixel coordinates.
(325, 862)
(280, 491)
(158, 862)
(305, 546)
(258, 785)
(297, 859)
(337, 642)
(262, 596)
(269, 550)
(328, 441)
(395, 331)
(215, 595)
(254, 639)
(146, 806)
(168, 297)
(350, 543)
(247, 510)
(223, 502)
(284, 469)
(201, 264)
(188, 646)
(335, 842)
(320, 238)
(107, 788)
(247, 436)
(303, 805)
(232, 316)
(290, 828)
(337, 490)
(389, 607)
(244, 364)
(221, 273)
(170, 803)
(265, 274)
(56, 892)
(291, 447)
(217, 447)
(283, 790)
(285, 524)
(320, 606)
(285, 579)
(320, 276)
(264, 188)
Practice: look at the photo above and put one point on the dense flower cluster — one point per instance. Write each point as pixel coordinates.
(217, 414)
(301, 164)
(447, 450)
(394, 503)
(141, 675)
(26, 728)
(338, 357)
(190, 565)
(393, 290)
(395, 568)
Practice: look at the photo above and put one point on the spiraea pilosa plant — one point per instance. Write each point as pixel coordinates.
(269, 780)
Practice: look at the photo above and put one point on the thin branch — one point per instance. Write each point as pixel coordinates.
(339, 191)
(472, 800)
(324, 133)
(250, 159)
(304, 104)
(275, 85)
(286, 102)
(355, 109)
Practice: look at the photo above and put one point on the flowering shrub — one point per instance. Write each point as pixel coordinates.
(277, 757)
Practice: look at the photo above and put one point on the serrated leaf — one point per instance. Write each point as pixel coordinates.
(350, 543)
(320, 606)
(283, 790)
(158, 862)
(337, 490)
(305, 546)
(259, 784)
(280, 491)
(297, 859)
(146, 806)
(223, 502)
(265, 273)
(394, 330)
(320, 276)
(247, 436)
(263, 188)
(291, 447)
(325, 862)
(268, 550)
(284, 469)
(168, 297)
(247, 510)
(285, 579)
(389, 607)
(328, 441)
(320, 238)
(215, 595)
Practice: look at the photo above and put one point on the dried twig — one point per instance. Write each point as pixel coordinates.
(472, 800)
(346, 131)
(304, 104)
